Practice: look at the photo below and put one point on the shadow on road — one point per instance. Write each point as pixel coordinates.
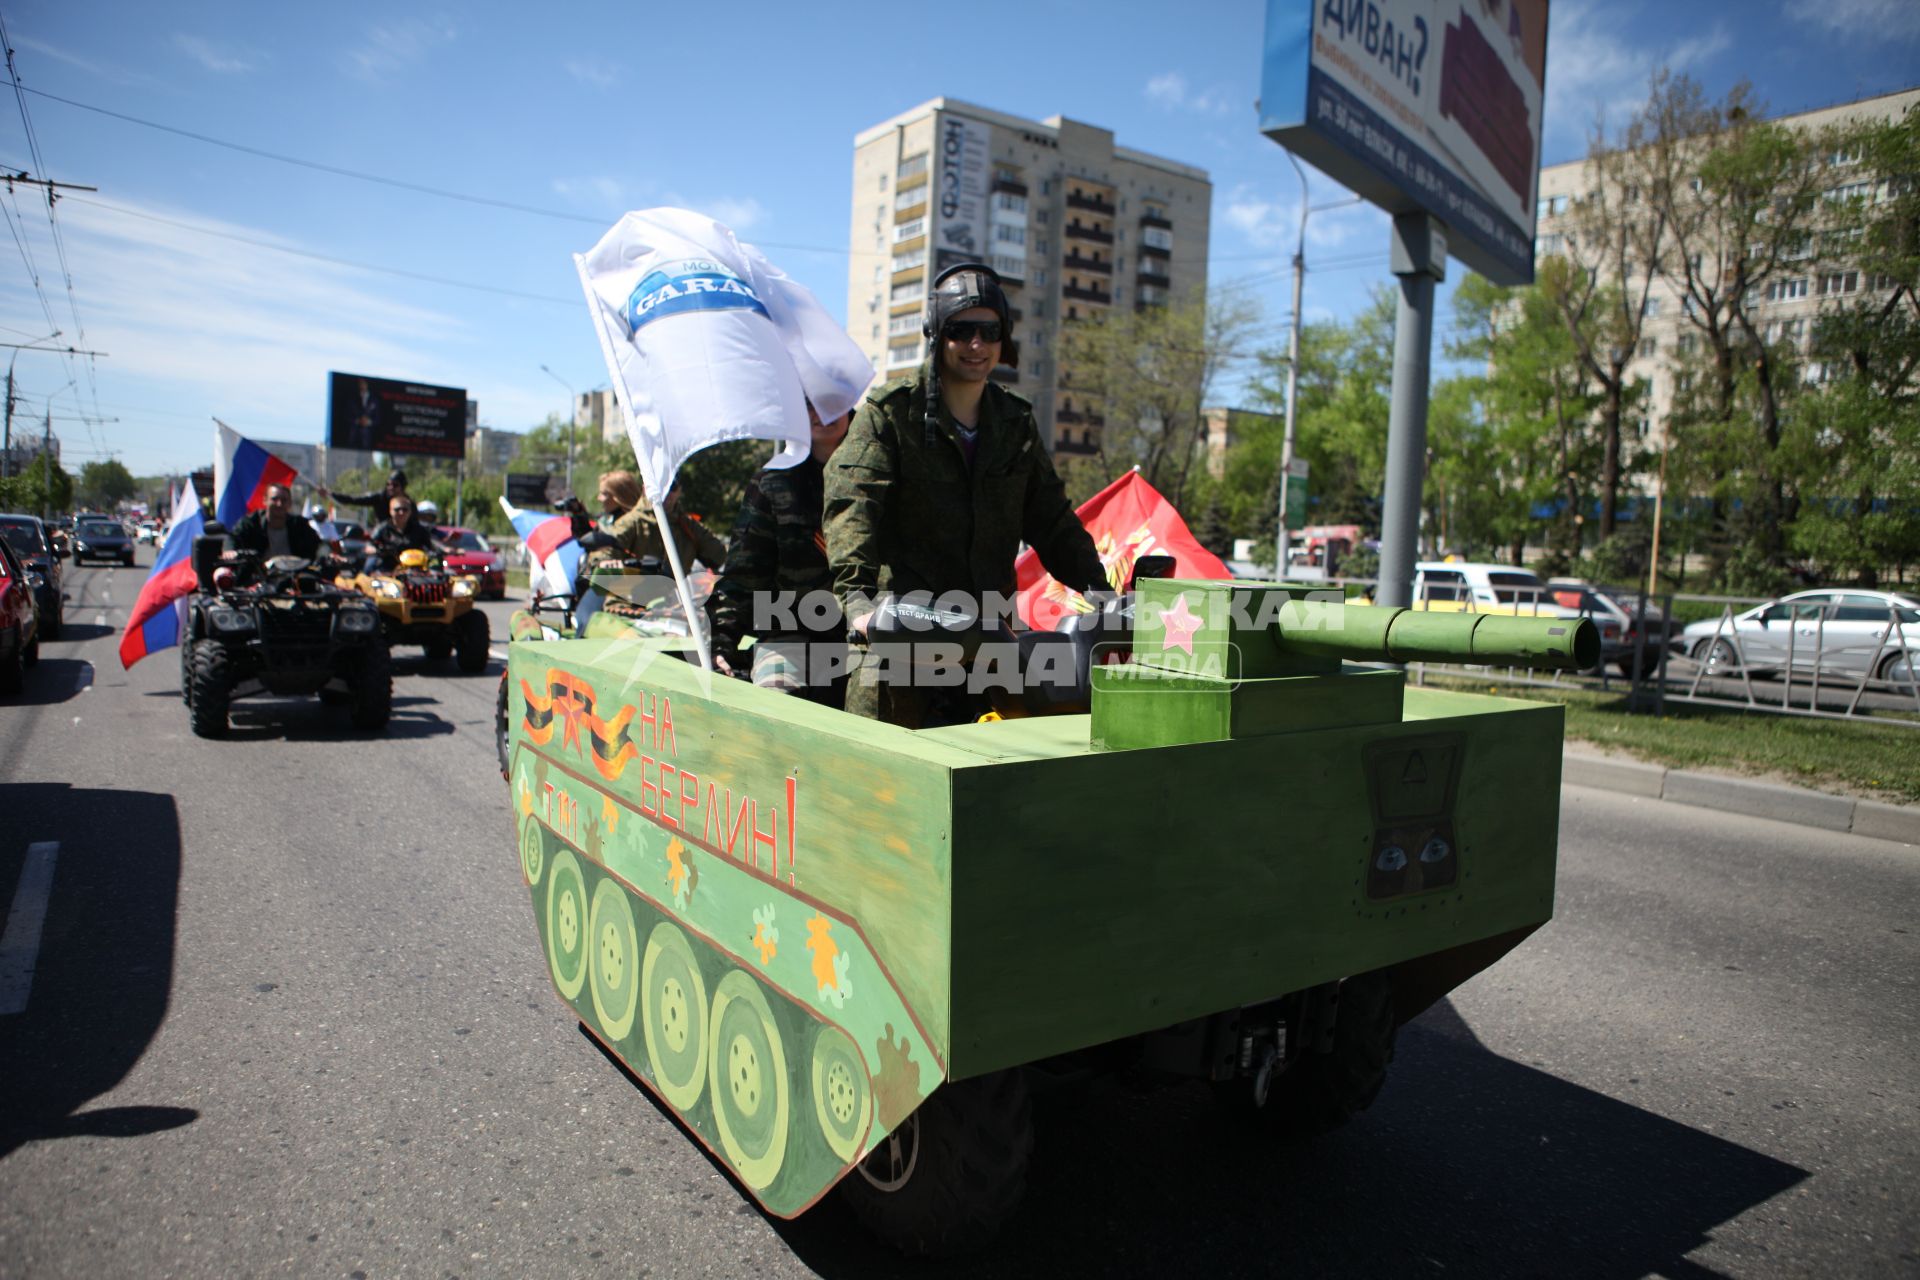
(1470, 1164)
(72, 632)
(104, 964)
(310, 720)
(52, 681)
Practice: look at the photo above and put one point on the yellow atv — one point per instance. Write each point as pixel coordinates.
(421, 603)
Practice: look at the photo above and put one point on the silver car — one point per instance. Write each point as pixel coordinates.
(1832, 631)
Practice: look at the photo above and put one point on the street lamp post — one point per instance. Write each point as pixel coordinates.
(1280, 530)
(6, 445)
(573, 413)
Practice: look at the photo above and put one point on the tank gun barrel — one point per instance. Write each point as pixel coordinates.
(1378, 633)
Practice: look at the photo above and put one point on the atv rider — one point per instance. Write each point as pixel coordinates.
(378, 500)
(941, 478)
(400, 532)
(275, 530)
(777, 552)
(630, 532)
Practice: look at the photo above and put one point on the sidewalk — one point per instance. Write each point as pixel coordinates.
(1583, 767)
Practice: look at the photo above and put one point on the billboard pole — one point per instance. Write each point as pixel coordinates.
(1420, 262)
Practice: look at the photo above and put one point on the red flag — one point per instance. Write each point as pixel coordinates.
(1128, 519)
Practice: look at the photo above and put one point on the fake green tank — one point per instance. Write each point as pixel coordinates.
(835, 948)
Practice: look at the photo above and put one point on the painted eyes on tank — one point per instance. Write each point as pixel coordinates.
(1391, 858)
(1436, 850)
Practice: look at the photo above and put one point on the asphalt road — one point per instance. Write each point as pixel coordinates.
(289, 1016)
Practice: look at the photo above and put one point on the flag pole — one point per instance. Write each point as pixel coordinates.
(608, 350)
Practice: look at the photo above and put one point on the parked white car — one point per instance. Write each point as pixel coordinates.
(1835, 631)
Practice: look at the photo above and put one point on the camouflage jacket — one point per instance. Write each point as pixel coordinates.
(636, 534)
(905, 513)
(777, 546)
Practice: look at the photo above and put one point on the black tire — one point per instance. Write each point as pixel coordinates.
(1718, 657)
(1899, 670)
(500, 726)
(212, 681)
(438, 651)
(1319, 1092)
(1649, 665)
(31, 658)
(949, 1175)
(471, 639)
(372, 704)
(11, 674)
(51, 630)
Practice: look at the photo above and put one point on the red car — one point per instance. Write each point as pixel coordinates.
(470, 552)
(19, 620)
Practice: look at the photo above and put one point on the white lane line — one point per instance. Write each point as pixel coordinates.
(20, 945)
(495, 653)
(99, 619)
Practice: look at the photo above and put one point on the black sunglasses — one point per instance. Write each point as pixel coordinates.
(965, 331)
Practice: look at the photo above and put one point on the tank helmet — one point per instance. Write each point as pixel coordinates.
(398, 480)
(965, 285)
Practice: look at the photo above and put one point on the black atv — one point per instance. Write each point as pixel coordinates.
(280, 627)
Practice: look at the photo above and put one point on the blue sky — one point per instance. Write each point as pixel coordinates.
(744, 110)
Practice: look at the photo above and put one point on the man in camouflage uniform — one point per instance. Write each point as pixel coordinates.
(776, 578)
(941, 478)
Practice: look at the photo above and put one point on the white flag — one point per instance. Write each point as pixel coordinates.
(707, 341)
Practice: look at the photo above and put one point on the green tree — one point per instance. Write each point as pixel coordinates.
(105, 484)
(1147, 373)
(43, 485)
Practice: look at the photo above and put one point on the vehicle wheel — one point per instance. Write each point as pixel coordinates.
(53, 629)
(472, 638)
(11, 675)
(372, 704)
(500, 726)
(438, 651)
(673, 1017)
(747, 1071)
(613, 961)
(952, 1172)
(1900, 671)
(842, 1094)
(31, 658)
(1322, 1091)
(1649, 665)
(1718, 657)
(567, 925)
(212, 689)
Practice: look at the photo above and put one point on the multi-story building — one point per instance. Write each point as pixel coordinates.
(1073, 224)
(1789, 301)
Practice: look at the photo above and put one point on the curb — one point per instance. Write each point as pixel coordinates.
(1777, 801)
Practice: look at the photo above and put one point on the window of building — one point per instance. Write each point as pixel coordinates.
(1786, 290)
(1557, 205)
(1547, 246)
(1041, 217)
(911, 197)
(1008, 233)
(908, 230)
(913, 166)
(908, 292)
(1010, 266)
(1649, 347)
(908, 323)
(909, 260)
(1008, 202)
(883, 182)
(1838, 282)
(1650, 307)
(1157, 238)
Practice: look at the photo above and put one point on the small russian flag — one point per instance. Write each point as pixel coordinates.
(154, 623)
(242, 471)
(553, 555)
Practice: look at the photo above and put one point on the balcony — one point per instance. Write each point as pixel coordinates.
(1074, 261)
(1086, 295)
(1067, 444)
(1077, 418)
(1080, 231)
(1157, 250)
(1155, 220)
(1092, 204)
(1010, 186)
(1152, 272)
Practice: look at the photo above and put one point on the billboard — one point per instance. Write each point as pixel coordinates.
(1419, 104)
(960, 194)
(535, 490)
(395, 417)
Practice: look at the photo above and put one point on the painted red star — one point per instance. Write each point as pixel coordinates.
(1180, 623)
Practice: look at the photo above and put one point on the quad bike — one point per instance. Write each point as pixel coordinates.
(839, 950)
(421, 603)
(280, 627)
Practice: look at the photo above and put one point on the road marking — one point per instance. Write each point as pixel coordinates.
(495, 653)
(20, 945)
(83, 680)
(99, 619)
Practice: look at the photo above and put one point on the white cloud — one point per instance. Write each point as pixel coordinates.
(740, 213)
(105, 71)
(1168, 89)
(1170, 92)
(391, 46)
(241, 330)
(1275, 224)
(223, 59)
(1897, 19)
(1595, 75)
(600, 194)
(595, 73)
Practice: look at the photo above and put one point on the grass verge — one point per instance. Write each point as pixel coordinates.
(1858, 758)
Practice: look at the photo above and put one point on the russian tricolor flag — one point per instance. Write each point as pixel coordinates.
(242, 470)
(155, 621)
(553, 554)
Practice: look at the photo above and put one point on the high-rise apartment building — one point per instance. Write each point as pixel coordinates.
(1073, 224)
(1790, 301)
